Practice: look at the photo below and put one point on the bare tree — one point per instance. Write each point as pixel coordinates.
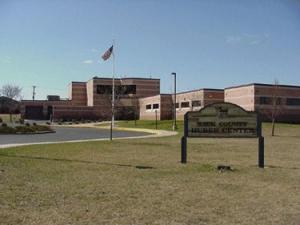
(274, 108)
(11, 91)
(276, 105)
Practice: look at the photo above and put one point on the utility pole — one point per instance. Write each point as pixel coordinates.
(174, 105)
(33, 92)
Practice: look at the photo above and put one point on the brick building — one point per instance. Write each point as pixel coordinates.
(185, 101)
(140, 98)
(92, 99)
(158, 105)
(283, 100)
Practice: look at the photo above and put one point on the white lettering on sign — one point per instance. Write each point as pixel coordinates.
(221, 120)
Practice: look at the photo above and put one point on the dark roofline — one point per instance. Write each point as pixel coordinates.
(126, 78)
(201, 89)
(78, 82)
(45, 100)
(262, 84)
(165, 94)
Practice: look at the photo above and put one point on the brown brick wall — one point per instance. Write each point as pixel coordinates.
(166, 103)
(78, 93)
(79, 112)
(248, 97)
(206, 96)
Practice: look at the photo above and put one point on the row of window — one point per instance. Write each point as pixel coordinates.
(270, 100)
(154, 106)
(195, 103)
(182, 104)
(119, 89)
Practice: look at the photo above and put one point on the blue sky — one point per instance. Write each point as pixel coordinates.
(209, 44)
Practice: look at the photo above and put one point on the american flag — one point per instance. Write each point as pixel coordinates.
(107, 54)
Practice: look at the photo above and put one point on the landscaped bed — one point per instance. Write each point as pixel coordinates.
(25, 129)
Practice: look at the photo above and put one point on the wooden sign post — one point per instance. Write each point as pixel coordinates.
(222, 120)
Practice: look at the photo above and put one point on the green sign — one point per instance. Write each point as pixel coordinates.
(221, 120)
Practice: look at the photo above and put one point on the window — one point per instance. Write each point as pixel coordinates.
(185, 104)
(177, 105)
(196, 103)
(155, 106)
(126, 89)
(265, 101)
(269, 100)
(293, 101)
(119, 89)
(104, 89)
(148, 106)
(278, 101)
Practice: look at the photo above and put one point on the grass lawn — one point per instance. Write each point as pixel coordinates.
(6, 117)
(151, 124)
(141, 181)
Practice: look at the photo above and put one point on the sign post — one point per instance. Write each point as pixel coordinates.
(222, 120)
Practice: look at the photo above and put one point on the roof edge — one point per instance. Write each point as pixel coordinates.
(262, 84)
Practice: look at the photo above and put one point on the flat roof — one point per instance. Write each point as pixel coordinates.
(201, 89)
(126, 78)
(44, 100)
(153, 96)
(78, 82)
(262, 84)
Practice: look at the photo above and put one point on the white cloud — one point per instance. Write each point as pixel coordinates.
(88, 61)
(250, 39)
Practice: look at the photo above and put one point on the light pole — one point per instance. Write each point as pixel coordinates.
(174, 105)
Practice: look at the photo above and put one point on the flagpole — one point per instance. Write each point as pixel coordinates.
(113, 93)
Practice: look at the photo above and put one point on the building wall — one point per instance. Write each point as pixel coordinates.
(242, 96)
(283, 110)
(90, 92)
(78, 93)
(189, 97)
(45, 106)
(212, 96)
(144, 88)
(166, 103)
(149, 114)
(85, 101)
(78, 113)
(205, 96)
(260, 97)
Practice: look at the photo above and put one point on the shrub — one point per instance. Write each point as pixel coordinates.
(7, 130)
(48, 123)
(4, 125)
(24, 129)
(42, 128)
(1, 120)
(27, 124)
(34, 124)
(21, 121)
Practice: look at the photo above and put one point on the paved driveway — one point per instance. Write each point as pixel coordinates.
(66, 134)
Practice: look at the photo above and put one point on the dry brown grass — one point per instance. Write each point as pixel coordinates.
(99, 183)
